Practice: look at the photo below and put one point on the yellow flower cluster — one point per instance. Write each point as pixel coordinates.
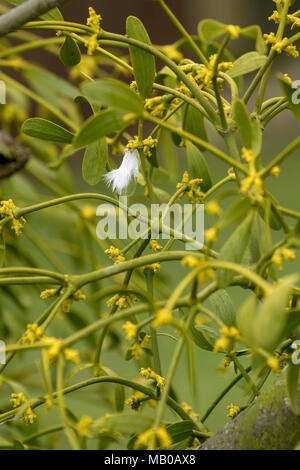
(154, 245)
(17, 399)
(147, 144)
(33, 333)
(79, 295)
(136, 349)
(149, 374)
(154, 439)
(47, 294)
(252, 185)
(134, 400)
(130, 329)
(55, 348)
(29, 416)
(189, 410)
(291, 19)
(94, 22)
(121, 301)
(7, 209)
(114, 253)
(233, 411)
(163, 317)
(206, 74)
(157, 106)
(83, 426)
(280, 46)
(155, 267)
(193, 190)
(285, 253)
(71, 355)
(227, 340)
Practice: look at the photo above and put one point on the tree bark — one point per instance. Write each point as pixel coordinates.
(268, 424)
(28, 11)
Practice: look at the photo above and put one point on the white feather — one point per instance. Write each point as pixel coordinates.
(119, 179)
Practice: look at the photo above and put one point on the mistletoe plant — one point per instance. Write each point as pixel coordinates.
(116, 298)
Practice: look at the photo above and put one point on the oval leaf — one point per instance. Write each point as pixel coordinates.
(98, 126)
(70, 54)
(197, 166)
(247, 63)
(234, 249)
(115, 94)
(142, 61)
(94, 161)
(47, 130)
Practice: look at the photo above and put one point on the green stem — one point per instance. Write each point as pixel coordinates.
(183, 31)
(222, 395)
(280, 158)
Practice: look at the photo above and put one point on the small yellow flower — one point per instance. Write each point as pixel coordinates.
(130, 329)
(211, 234)
(190, 261)
(112, 252)
(274, 364)
(49, 402)
(72, 355)
(112, 301)
(248, 155)
(7, 209)
(155, 246)
(189, 410)
(47, 294)
(88, 213)
(94, 22)
(121, 302)
(33, 333)
(17, 399)
(155, 267)
(29, 416)
(163, 317)
(285, 253)
(150, 375)
(78, 295)
(234, 31)
(275, 171)
(233, 411)
(152, 439)
(227, 340)
(67, 305)
(136, 350)
(134, 400)
(84, 426)
(213, 208)
(55, 347)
